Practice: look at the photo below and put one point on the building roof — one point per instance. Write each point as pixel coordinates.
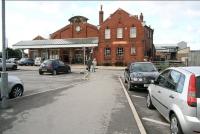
(58, 43)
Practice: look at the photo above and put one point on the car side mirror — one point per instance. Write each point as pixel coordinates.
(159, 69)
(126, 69)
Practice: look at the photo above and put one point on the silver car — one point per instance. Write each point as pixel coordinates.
(15, 87)
(176, 95)
(12, 66)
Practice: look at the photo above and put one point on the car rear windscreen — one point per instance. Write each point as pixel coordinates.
(47, 62)
(198, 86)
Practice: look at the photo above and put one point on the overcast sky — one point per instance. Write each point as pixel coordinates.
(172, 21)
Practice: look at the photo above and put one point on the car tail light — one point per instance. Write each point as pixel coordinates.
(191, 98)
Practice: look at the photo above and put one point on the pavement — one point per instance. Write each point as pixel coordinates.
(98, 105)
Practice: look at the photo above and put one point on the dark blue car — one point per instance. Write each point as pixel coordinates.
(26, 61)
(54, 66)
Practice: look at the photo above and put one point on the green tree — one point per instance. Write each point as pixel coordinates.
(13, 53)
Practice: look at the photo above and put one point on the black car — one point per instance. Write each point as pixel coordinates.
(26, 61)
(54, 66)
(140, 74)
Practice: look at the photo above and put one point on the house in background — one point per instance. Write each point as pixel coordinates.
(117, 40)
(166, 52)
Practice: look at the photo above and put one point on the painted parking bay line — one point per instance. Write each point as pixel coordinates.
(138, 96)
(135, 114)
(156, 121)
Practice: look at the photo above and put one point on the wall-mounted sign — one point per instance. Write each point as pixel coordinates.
(119, 42)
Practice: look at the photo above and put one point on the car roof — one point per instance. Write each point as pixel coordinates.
(192, 69)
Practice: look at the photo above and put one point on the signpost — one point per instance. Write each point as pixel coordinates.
(4, 74)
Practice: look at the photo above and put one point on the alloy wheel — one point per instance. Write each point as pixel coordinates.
(17, 91)
(174, 125)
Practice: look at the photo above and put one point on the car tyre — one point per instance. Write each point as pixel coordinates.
(149, 102)
(17, 91)
(55, 72)
(41, 73)
(14, 67)
(175, 127)
(125, 81)
(129, 85)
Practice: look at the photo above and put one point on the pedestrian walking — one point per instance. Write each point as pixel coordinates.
(89, 63)
(94, 63)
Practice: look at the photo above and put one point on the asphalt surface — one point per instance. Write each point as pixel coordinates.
(152, 120)
(35, 83)
(68, 104)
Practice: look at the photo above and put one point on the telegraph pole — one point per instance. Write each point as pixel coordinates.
(4, 74)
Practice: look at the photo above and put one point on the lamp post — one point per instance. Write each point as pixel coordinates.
(4, 74)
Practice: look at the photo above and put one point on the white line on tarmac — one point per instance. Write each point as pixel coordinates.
(156, 121)
(138, 96)
(135, 114)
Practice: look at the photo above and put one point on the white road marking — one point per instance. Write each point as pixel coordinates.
(156, 121)
(138, 96)
(135, 114)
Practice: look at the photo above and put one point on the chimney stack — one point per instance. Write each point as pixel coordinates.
(101, 16)
(141, 17)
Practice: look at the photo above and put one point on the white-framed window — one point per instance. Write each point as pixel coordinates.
(133, 50)
(107, 33)
(133, 32)
(54, 54)
(119, 32)
(107, 52)
(120, 51)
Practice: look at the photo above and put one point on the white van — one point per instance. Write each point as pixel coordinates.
(38, 61)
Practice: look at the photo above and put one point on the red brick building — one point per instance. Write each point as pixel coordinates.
(117, 40)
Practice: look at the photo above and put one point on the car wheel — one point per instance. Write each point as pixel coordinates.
(16, 91)
(55, 72)
(125, 81)
(149, 102)
(175, 126)
(41, 73)
(14, 67)
(69, 70)
(129, 86)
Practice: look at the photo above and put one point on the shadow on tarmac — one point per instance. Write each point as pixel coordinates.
(21, 105)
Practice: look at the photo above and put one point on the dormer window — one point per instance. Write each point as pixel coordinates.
(119, 32)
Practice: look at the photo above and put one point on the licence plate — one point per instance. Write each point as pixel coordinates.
(146, 85)
(44, 69)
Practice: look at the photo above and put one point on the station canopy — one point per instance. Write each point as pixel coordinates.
(58, 43)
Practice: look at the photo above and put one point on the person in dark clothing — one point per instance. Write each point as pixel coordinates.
(89, 63)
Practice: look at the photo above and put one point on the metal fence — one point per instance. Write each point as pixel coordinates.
(194, 58)
(161, 65)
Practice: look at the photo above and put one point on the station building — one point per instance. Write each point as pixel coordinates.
(118, 40)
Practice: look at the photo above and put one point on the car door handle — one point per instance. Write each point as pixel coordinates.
(171, 96)
(159, 91)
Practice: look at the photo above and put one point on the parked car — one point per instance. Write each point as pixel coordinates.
(176, 95)
(12, 60)
(15, 86)
(140, 74)
(38, 61)
(26, 61)
(9, 66)
(54, 66)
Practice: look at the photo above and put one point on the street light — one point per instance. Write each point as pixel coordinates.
(4, 74)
